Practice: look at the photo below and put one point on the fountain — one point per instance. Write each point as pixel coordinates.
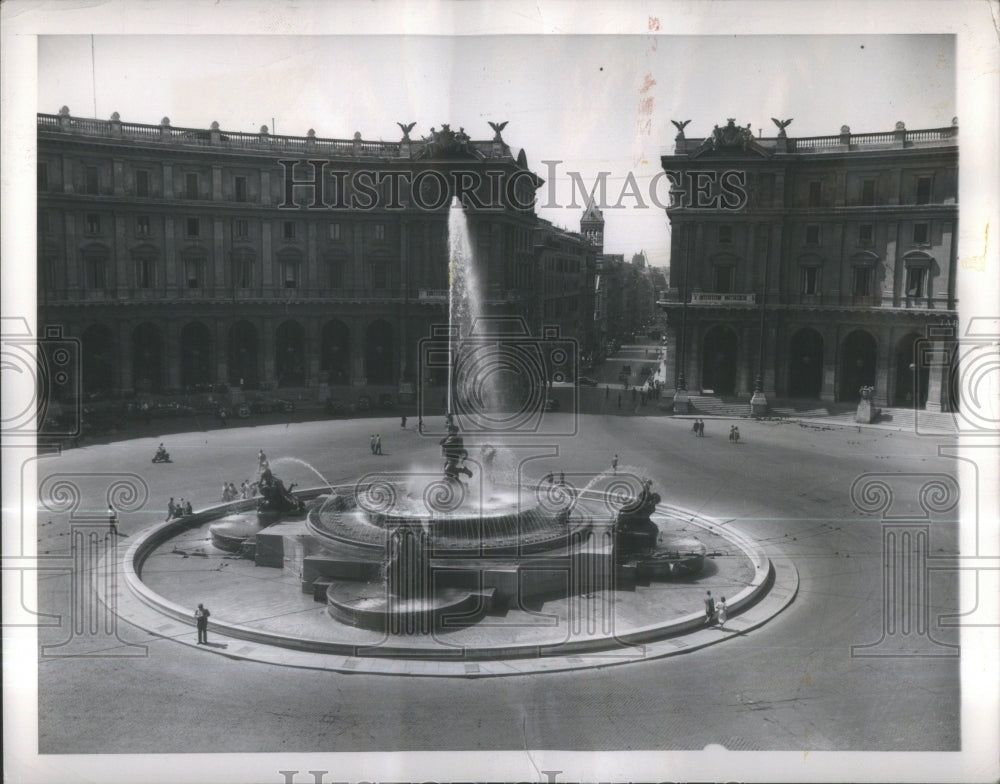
(423, 551)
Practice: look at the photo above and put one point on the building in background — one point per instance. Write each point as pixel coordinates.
(813, 266)
(183, 258)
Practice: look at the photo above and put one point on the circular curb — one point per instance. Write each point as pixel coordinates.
(774, 586)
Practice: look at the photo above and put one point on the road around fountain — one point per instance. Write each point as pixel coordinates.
(791, 684)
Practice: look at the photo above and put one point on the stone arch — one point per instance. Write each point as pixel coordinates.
(196, 347)
(243, 353)
(289, 354)
(147, 357)
(858, 363)
(805, 351)
(719, 358)
(335, 348)
(98, 359)
(379, 352)
(912, 378)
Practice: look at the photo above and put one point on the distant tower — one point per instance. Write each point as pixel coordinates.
(592, 225)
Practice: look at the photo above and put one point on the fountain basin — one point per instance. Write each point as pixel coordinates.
(371, 606)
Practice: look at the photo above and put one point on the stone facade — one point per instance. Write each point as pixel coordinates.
(813, 266)
(187, 257)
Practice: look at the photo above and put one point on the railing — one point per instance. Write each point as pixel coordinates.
(816, 141)
(235, 139)
(712, 298)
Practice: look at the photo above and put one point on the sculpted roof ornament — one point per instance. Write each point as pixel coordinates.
(731, 135)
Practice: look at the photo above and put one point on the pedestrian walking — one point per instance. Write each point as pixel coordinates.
(112, 521)
(614, 464)
(701, 428)
(371, 443)
(694, 427)
(222, 417)
(720, 612)
(709, 608)
(732, 433)
(171, 508)
(736, 434)
(261, 460)
(201, 618)
(420, 425)
(378, 444)
(402, 421)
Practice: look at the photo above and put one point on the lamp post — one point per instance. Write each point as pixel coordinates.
(758, 402)
(681, 399)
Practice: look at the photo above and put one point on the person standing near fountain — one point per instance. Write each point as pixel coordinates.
(378, 444)
(614, 464)
(201, 618)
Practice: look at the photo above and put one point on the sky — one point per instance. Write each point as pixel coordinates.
(587, 103)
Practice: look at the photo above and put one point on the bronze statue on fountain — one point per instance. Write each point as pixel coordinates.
(454, 452)
(634, 530)
(275, 497)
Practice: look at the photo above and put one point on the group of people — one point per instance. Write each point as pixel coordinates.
(179, 509)
(715, 611)
(698, 428)
(247, 489)
(734, 434)
(375, 442)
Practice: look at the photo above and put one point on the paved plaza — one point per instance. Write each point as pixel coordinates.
(791, 683)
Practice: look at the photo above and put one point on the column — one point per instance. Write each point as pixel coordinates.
(882, 363)
(828, 388)
(216, 183)
(118, 177)
(939, 375)
(266, 284)
(222, 351)
(67, 176)
(265, 359)
(311, 262)
(891, 262)
(168, 181)
(215, 279)
(172, 353)
(125, 364)
(121, 258)
(746, 368)
(169, 255)
(692, 369)
(312, 348)
(358, 378)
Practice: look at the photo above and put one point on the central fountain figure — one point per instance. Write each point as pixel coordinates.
(454, 453)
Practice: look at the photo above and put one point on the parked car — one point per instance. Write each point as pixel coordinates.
(587, 381)
(265, 405)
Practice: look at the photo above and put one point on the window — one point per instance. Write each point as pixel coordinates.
(815, 193)
(43, 222)
(334, 231)
(241, 229)
(866, 235)
(290, 274)
(288, 230)
(193, 226)
(810, 280)
(243, 271)
(921, 233)
(812, 234)
(141, 182)
(868, 192)
(93, 223)
(915, 277)
(862, 281)
(379, 231)
(145, 273)
(923, 190)
(43, 176)
(92, 184)
(192, 273)
(95, 273)
(725, 234)
(723, 278)
(240, 188)
(191, 185)
(142, 226)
